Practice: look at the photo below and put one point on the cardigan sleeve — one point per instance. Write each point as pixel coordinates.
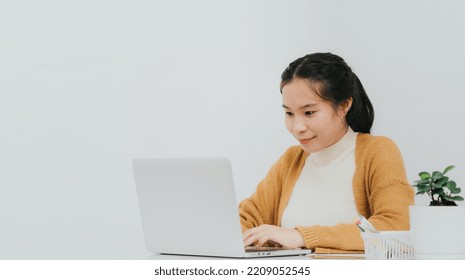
(389, 193)
(332, 239)
(262, 206)
(382, 194)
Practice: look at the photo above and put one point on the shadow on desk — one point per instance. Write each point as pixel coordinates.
(184, 257)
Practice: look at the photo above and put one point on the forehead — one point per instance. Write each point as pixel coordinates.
(299, 91)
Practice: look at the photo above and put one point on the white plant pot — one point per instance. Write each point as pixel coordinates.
(438, 232)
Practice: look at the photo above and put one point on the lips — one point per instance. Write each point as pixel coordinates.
(305, 141)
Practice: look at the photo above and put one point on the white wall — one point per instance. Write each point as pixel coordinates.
(86, 86)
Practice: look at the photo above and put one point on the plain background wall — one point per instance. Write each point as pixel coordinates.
(86, 86)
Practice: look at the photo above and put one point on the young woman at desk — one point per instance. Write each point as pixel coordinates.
(312, 194)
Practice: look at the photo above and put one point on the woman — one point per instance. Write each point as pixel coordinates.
(312, 194)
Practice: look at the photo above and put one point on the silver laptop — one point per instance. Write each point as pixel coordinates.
(188, 207)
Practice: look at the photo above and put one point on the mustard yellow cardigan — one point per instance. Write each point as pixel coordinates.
(381, 191)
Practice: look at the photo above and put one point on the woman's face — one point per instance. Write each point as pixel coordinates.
(314, 122)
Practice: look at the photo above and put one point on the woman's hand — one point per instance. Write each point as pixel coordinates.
(287, 237)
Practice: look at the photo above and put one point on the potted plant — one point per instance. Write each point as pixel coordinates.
(440, 189)
(434, 229)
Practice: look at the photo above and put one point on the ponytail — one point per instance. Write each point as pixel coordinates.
(361, 114)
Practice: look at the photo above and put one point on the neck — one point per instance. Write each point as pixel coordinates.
(341, 134)
(328, 154)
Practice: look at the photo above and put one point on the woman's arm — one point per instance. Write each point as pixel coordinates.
(262, 206)
(389, 193)
(382, 194)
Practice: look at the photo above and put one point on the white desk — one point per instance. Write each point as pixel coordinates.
(96, 251)
(73, 251)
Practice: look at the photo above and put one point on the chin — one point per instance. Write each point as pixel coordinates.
(311, 149)
(307, 149)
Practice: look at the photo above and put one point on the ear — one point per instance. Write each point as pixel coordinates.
(346, 105)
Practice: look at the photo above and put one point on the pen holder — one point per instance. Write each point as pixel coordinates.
(388, 245)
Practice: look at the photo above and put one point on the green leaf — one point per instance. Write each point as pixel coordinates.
(443, 180)
(456, 191)
(445, 197)
(437, 175)
(455, 198)
(424, 175)
(452, 185)
(437, 186)
(423, 188)
(423, 181)
(420, 192)
(448, 168)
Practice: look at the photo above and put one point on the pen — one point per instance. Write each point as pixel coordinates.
(361, 229)
(364, 225)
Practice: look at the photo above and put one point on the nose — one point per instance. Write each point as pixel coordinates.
(299, 126)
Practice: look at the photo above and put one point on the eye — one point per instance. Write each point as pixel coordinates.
(309, 113)
(289, 114)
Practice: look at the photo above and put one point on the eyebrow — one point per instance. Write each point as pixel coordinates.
(302, 107)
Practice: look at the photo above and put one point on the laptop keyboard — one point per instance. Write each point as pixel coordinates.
(253, 249)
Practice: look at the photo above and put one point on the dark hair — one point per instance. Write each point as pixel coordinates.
(331, 78)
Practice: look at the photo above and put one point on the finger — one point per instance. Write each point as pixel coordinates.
(272, 242)
(252, 231)
(261, 237)
(246, 234)
(251, 240)
(270, 236)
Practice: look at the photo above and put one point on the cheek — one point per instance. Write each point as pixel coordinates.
(328, 127)
(321, 126)
(289, 124)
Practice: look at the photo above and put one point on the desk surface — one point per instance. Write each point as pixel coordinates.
(73, 251)
(113, 251)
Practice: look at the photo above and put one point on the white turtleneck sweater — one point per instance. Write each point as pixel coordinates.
(323, 193)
